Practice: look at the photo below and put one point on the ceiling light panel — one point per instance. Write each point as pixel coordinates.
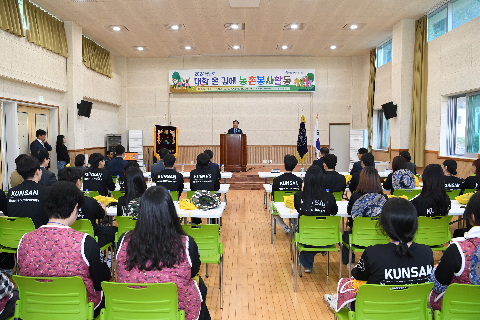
(174, 27)
(188, 48)
(331, 47)
(140, 48)
(353, 26)
(116, 28)
(235, 47)
(294, 26)
(234, 26)
(284, 47)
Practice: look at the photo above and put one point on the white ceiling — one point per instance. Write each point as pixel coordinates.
(204, 25)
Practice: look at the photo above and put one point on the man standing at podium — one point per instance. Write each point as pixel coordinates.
(235, 128)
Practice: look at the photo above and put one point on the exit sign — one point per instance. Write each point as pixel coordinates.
(40, 99)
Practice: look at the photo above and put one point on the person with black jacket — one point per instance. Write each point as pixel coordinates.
(169, 178)
(116, 165)
(314, 200)
(80, 162)
(91, 210)
(62, 153)
(97, 178)
(332, 180)
(450, 171)
(319, 162)
(135, 187)
(473, 181)
(367, 160)
(159, 166)
(433, 200)
(40, 142)
(410, 165)
(211, 165)
(357, 166)
(26, 199)
(48, 177)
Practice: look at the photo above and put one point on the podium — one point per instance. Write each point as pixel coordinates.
(233, 152)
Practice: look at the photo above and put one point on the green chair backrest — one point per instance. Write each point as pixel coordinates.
(12, 230)
(174, 195)
(380, 302)
(114, 179)
(409, 193)
(207, 238)
(141, 301)
(92, 194)
(433, 231)
(125, 223)
(338, 195)
(52, 298)
(278, 195)
(365, 232)
(460, 301)
(470, 191)
(452, 194)
(85, 226)
(117, 194)
(319, 231)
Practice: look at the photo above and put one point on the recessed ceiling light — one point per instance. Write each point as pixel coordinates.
(116, 28)
(188, 48)
(284, 47)
(333, 47)
(175, 27)
(294, 26)
(353, 26)
(140, 48)
(234, 26)
(236, 47)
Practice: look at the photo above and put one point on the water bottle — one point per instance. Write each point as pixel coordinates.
(149, 179)
(117, 183)
(144, 170)
(223, 168)
(87, 193)
(183, 168)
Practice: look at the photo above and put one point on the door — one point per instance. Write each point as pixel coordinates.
(31, 119)
(340, 144)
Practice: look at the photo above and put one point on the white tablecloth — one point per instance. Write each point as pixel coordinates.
(223, 188)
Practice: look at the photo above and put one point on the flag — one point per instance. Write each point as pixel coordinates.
(302, 149)
(317, 139)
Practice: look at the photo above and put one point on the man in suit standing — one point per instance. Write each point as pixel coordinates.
(40, 142)
(48, 177)
(235, 129)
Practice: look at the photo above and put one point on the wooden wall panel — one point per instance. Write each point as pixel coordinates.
(380, 155)
(89, 151)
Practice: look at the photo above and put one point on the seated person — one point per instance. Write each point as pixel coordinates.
(8, 297)
(15, 177)
(357, 166)
(235, 129)
(287, 182)
(386, 264)
(121, 179)
(158, 251)
(159, 166)
(366, 202)
(115, 166)
(211, 165)
(433, 200)
(48, 177)
(454, 264)
(169, 178)
(319, 162)
(109, 156)
(135, 187)
(472, 182)
(80, 162)
(367, 160)
(400, 177)
(26, 199)
(410, 165)
(313, 201)
(91, 210)
(450, 171)
(96, 178)
(332, 180)
(56, 250)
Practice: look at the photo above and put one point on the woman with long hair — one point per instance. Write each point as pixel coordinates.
(473, 181)
(401, 177)
(62, 153)
(158, 251)
(433, 200)
(314, 200)
(135, 187)
(450, 171)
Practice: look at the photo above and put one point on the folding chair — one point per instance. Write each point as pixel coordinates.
(124, 224)
(117, 194)
(409, 193)
(278, 197)
(12, 230)
(433, 232)
(460, 301)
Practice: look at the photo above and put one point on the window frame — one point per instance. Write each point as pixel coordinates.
(381, 128)
(380, 48)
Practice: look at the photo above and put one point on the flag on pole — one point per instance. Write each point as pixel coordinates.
(302, 149)
(317, 139)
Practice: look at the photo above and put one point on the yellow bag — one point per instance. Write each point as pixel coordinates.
(288, 201)
(417, 181)
(464, 198)
(392, 196)
(348, 177)
(106, 200)
(187, 204)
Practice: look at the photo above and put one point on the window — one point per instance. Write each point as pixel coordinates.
(451, 15)
(24, 22)
(381, 130)
(463, 125)
(384, 53)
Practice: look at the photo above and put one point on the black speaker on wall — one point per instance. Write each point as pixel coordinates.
(84, 108)
(389, 110)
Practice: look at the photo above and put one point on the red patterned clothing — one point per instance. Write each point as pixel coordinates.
(60, 251)
(189, 297)
(6, 291)
(453, 267)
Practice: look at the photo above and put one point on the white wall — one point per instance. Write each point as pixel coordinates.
(383, 85)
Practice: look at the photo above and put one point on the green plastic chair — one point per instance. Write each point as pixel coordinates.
(141, 301)
(409, 193)
(469, 191)
(211, 250)
(433, 232)
(117, 194)
(460, 301)
(124, 224)
(381, 302)
(12, 230)
(277, 197)
(338, 195)
(364, 233)
(52, 298)
(91, 194)
(452, 194)
(174, 195)
(85, 226)
(316, 231)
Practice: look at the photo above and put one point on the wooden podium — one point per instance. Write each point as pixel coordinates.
(233, 152)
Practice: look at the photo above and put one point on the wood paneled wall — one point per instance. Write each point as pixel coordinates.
(89, 151)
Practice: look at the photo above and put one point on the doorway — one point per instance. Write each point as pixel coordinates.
(339, 137)
(31, 119)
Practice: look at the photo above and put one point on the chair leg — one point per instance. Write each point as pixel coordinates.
(296, 265)
(349, 262)
(207, 270)
(328, 261)
(221, 281)
(274, 226)
(340, 267)
(15, 267)
(271, 225)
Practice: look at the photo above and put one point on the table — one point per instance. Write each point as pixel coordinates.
(268, 190)
(381, 174)
(223, 189)
(224, 175)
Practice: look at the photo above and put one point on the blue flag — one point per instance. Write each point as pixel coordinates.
(302, 149)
